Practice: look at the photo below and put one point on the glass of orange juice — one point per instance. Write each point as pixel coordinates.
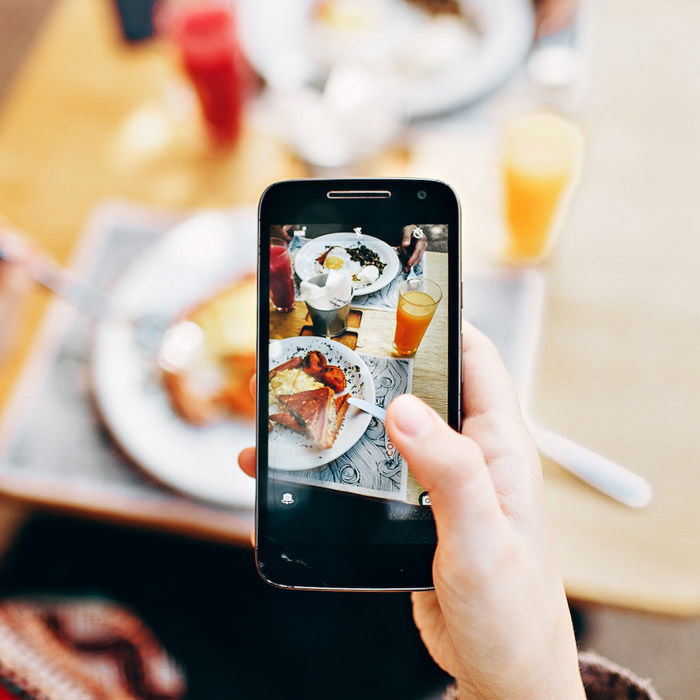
(541, 163)
(418, 299)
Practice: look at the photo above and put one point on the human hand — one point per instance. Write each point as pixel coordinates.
(421, 245)
(498, 620)
(282, 232)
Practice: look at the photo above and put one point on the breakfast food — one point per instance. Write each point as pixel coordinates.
(303, 391)
(214, 382)
(363, 264)
(317, 412)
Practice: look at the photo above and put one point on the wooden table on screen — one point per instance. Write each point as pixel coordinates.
(618, 367)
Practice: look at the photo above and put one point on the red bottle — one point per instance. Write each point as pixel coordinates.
(281, 282)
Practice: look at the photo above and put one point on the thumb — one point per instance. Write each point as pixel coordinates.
(451, 467)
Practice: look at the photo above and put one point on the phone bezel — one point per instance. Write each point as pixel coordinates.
(392, 566)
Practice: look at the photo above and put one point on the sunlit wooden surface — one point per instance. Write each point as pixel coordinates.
(618, 364)
(90, 118)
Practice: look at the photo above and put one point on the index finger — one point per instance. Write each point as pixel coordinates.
(407, 233)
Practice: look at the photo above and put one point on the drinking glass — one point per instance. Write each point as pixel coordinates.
(541, 161)
(418, 299)
(281, 280)
(205, 35)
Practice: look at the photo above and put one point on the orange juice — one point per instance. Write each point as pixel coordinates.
(413, 315)
(540, 164)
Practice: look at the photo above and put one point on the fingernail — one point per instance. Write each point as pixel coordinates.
(411, 416)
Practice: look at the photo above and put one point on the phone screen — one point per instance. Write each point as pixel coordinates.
(358, 313)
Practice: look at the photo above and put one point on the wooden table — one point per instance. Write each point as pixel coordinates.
(618, 368)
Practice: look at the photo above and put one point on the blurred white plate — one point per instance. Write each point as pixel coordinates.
(279, 39)
(291, 451)
(305, 259)
(188, 264)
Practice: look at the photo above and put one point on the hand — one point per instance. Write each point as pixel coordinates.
(282, 232)
(15, 254)
(498, 620)
(420, 247)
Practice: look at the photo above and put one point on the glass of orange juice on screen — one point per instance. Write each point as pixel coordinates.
(418, 299)
(541, 163)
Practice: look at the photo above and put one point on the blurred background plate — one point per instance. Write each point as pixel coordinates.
(283, 43)
(184, 267)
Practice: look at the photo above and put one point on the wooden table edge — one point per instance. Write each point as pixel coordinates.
(177, 517)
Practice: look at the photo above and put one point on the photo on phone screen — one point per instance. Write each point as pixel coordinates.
(358, 316)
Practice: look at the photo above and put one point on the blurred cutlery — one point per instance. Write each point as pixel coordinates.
(174, 345)
(597, 471)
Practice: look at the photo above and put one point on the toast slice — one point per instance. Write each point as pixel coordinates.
(287, 420)
(341, 407)
(314, 408)
(317, 412)
(217, 386)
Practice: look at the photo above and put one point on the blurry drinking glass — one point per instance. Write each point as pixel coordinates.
(418, 299)
(541, 162)
(329, 316)
(281, 281)
(205, 34)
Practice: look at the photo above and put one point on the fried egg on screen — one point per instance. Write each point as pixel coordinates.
(338, 259)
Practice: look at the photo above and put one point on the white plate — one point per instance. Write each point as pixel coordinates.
(278, 39)
(290, 451)
(305, 259)
(185, 266)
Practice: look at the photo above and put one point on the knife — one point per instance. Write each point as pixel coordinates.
(368, 407)
(612, 479)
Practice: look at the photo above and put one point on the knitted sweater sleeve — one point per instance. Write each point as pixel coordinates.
(602, 679)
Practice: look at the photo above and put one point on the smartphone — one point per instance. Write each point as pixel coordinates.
(359, 301)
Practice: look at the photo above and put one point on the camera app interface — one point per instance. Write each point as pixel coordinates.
(358, 316)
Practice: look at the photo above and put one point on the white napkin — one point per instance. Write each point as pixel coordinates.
(336, 292)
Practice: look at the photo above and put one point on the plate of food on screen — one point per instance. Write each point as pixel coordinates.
(371, 262)
(310, 420)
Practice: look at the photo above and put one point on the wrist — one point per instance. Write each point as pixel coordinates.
(540, 689)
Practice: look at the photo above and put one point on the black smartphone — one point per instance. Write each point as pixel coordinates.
(359, 301)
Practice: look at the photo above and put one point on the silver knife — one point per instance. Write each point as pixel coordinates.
(368, 407)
